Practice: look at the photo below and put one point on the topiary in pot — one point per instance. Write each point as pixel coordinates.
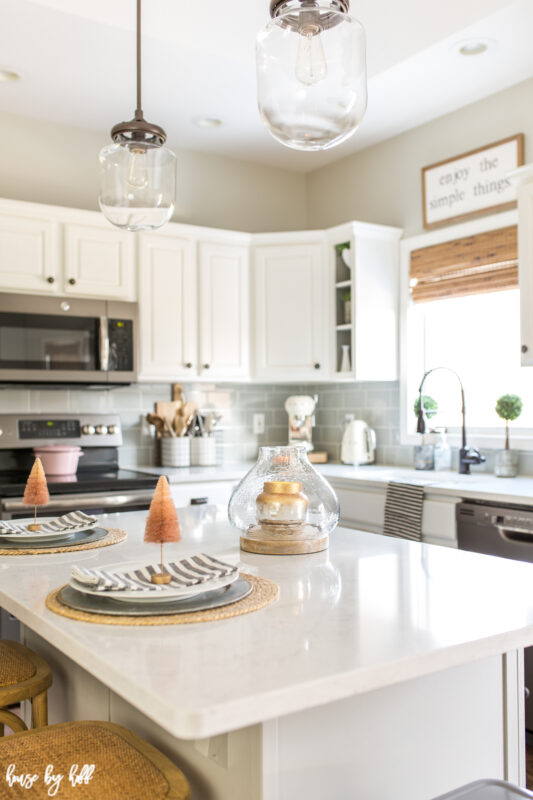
(508, 407)
(429, 405)
(424, 454)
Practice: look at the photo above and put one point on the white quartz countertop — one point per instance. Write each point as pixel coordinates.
(370, 612)
(477, 486)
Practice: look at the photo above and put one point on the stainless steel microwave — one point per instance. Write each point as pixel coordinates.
(59, 340)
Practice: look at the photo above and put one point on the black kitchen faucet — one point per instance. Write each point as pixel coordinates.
(467, 455)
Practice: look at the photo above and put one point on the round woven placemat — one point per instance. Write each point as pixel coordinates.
(264, 593)
(114, 536)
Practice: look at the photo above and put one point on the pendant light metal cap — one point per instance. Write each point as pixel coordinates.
(293, 10)
(140, 131)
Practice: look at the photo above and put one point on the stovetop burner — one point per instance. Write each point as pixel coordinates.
(93, 481)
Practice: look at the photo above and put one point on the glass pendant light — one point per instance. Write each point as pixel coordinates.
(311, 73)
(137, 171)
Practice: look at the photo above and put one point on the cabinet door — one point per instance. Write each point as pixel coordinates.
(167, 308)
(525, 271)
(224, 311)
(29, 255)
(99, 262)
(291, 311)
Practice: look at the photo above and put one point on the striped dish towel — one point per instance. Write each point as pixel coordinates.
(73, 522)
(403, 511)
(185, 573)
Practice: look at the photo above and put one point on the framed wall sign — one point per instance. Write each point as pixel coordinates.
(471, 184)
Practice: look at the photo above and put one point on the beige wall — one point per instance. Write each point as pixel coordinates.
(382, 183)
(48, 163)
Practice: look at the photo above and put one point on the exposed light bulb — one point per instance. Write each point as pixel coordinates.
(311, 73)
(137, 171)
(311, 64)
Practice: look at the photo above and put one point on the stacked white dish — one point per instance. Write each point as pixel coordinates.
(52, 529)
(130, 583)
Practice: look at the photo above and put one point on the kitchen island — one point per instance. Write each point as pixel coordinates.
(386, 669)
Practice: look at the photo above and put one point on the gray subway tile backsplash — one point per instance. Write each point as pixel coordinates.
(377, 403)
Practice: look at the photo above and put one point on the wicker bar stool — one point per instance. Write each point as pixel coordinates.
(125, 766)
(23, 676)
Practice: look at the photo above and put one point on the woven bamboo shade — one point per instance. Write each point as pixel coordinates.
(487, 262)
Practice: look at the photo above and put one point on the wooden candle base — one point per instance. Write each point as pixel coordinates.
(284, 540)
(35, 526)
(160, 578)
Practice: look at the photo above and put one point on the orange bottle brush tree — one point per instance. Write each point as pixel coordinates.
(162, 524)
(36, 491)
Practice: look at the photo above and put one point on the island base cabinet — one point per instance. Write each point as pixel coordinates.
(413, 740)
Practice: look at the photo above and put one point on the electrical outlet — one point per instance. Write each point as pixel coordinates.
(259, 423)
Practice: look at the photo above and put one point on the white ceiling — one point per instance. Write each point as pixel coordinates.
(77, 61)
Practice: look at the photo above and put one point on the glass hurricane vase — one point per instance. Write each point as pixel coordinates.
(283, 506)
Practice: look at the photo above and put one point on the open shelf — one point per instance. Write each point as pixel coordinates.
(344, 286)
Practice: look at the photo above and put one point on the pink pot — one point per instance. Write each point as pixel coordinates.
(59, 459)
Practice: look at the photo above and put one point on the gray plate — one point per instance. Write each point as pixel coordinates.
(83, 537)
(79, 601)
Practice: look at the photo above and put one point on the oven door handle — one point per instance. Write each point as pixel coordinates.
(104, 344)
(76, 501)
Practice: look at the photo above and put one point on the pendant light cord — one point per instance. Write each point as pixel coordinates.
(138, 110)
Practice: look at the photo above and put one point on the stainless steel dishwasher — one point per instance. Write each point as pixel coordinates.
(505, 531)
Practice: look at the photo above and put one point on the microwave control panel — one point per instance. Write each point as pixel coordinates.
(120, 333)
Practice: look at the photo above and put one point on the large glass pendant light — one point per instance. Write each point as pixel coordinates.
(137, 171)
(311, 73)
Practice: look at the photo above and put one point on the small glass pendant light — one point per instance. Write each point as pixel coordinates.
(137, 171)
(311, 73)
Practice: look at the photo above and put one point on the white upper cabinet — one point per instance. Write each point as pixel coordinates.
(194, 304)
(523, 178)
(223, 310)
(291, 307)
(364, 290)
(29, 252)
(99, 262)
(54, 250)
(167, 306)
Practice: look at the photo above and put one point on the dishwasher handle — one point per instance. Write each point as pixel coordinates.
(515, 534)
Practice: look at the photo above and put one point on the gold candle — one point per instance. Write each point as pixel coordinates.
(282, 503)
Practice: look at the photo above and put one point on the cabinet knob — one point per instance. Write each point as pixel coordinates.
(524, 348)
(188, 365)
(317, 365)
(51, 279)
(206, 366)
(72, 281)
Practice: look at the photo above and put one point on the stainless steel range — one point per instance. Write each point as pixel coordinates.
(99, 485)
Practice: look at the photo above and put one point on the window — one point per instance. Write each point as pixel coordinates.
(467, 318)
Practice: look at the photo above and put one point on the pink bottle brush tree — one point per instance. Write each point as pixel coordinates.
(162, 524)
(36, 492)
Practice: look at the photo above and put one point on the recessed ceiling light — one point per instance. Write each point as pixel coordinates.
(473, 47)
(7, 74)
(207, 122)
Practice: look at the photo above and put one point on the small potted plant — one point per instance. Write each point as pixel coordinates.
(424, 454)
(508, 407)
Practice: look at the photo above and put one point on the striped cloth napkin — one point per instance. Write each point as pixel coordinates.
(403, 511)
(188, 572)
(73, 522)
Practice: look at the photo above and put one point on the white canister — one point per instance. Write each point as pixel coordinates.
(203, 451)
(175, 451)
